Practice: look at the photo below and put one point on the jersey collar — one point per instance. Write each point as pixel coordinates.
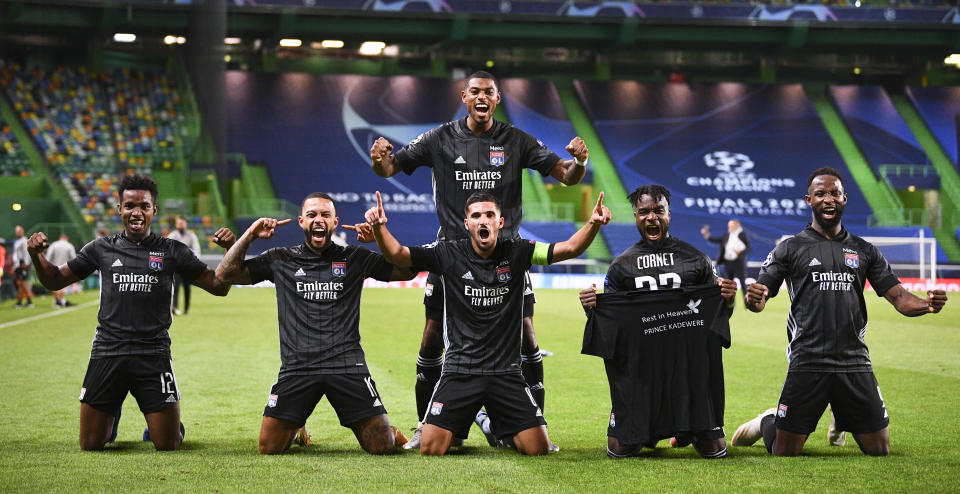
(465, 130)
(839, 238)
(148, 240)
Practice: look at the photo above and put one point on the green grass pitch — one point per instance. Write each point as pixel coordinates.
(226, 356)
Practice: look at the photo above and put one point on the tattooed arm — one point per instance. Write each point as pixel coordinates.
(231, 269)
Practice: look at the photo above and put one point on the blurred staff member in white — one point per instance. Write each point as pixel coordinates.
(21, 269)
(188, 238)
(59, 253)
(734, 247)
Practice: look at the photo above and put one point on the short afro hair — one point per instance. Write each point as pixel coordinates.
(656, 191)
(138, 182)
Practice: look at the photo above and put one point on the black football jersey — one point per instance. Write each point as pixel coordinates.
(483, 308)
(136, 288)
(463, 163)
(318, 304)
(828, 316)
(662, 358)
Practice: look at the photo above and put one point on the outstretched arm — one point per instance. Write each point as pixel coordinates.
(231, 269)
(393, 252)
(911, 305)
(756, 298)
(571, 172)
(50, 276)
(383, 163)
(575, 245)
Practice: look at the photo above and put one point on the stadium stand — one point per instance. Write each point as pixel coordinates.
(877, 128)
(92, 128)
(12, 159)
(939, 107)
(65, 114)
(148, 120)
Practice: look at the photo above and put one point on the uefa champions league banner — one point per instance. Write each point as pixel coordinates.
(724, 151)
(315, 132)
(622, 9)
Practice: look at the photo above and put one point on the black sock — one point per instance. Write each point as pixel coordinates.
(531, 365)
(768, 427)
(429, 364)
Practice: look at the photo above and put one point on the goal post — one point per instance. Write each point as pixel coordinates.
(919, 251)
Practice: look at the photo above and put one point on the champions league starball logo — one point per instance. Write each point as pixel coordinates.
(734, 173)
(734, 176)
(725, 161)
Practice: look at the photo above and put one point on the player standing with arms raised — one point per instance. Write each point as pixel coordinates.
(476, 153)
(825, 268)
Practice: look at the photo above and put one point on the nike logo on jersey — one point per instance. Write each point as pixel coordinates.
(459, 161)
(814, 262)
(117, 264)
(467, 276)
(300, 272)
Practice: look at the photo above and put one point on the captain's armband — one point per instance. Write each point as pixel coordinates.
(542, 254)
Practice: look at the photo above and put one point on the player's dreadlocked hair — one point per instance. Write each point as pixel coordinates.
(138, 182)
(480, 197)
(481, 74)
(319, 195)
(823, 171)
(656, 191)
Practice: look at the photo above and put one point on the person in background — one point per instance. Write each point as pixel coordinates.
(734, 247)
(59, 253)
(21, 269)
(186, 237)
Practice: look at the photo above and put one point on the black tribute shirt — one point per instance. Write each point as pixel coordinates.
(662, 358)
(136, 286)
(825, 279)
(483, 312)
(318, 305)
(464, 163)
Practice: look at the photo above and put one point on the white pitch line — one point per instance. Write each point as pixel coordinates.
(49, 314)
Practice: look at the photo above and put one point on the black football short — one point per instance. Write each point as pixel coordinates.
(150, 379)
(21, 273)
(354, 397)
(854, 397)
(433, 297)
(506, 397)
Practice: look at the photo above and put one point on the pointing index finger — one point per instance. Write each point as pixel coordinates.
(284, 222)
(600, 200)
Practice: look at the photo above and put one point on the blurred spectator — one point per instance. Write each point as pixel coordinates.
(59, 253)
(3, 264)
(21, 273)
(188, 238)
(734, 247)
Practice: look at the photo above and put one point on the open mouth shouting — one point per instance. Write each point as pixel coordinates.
(829, 213)
(483, 232)
(652, 231)
(482, 109)
(318, 233)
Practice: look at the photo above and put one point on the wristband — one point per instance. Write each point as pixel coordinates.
(577, 162)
